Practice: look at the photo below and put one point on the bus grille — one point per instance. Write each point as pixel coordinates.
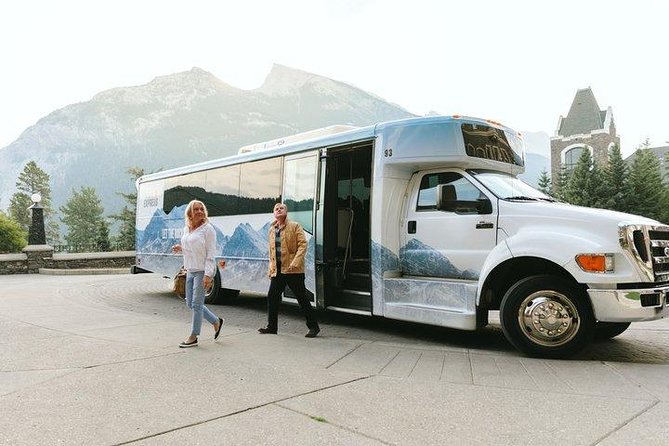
(649, 245)
(659, 251)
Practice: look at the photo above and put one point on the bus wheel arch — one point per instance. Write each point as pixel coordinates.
(508, 273)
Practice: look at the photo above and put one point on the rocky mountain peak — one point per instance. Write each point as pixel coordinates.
(283, 80)
(167, 88)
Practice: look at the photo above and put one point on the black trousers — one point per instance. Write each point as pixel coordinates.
(296, 284)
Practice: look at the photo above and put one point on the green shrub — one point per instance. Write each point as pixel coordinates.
(12, 237)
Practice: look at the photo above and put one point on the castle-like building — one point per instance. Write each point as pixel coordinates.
(585, 127)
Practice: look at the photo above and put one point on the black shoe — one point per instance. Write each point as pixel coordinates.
(312, 333)
(266, 330)
(188, 344)
(220, 325)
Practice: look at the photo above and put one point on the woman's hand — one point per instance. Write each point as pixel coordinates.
(176, 248)
(206, 282)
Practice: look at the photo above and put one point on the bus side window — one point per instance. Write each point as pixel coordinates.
(427, 195)
(451, 192)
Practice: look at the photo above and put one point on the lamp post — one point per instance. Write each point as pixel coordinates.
(36, 234)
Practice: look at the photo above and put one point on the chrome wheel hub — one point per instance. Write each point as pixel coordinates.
(548, 318)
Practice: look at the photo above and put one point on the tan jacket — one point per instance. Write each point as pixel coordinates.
(293, 249)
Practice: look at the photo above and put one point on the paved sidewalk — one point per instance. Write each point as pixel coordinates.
(93, 360)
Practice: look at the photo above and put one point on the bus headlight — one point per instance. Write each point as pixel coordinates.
(595, 263)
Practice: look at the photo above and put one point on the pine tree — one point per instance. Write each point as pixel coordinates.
(102, 237)
(577, 190)
(560, 186)
(125, 240)
(18, 209)
(83, 216)
(33, 179)
(615, 182)
(596, 189)
(664, 206)
(544, 182)
(645, 184)
(664, 216)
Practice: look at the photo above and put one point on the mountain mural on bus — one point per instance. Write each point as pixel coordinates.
(244, 251)
(415, 259)
(419, 259)
(424, 262)
(383, 259)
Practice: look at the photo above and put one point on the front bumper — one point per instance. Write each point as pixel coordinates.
(630, 305)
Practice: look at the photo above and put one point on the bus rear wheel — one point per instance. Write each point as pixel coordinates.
(547, 316)
(218, 295)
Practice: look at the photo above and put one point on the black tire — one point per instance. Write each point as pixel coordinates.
(212, 295)
(547, 317)
(608, 330)
(218, 295)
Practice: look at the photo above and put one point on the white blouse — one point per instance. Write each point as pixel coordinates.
(199, 249)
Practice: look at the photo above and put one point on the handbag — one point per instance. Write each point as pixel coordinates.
(179, 285)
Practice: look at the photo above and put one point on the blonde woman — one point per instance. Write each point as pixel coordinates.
(198, 245)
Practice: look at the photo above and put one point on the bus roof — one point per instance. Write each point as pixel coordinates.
(331, 136)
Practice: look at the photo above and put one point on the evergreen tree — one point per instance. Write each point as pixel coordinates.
(125, 240)
(544, 182)
(578, 189)
(560, 186)
(102, 238)
(596, 189)
(83, 216)
(12, 237)
(664, 215)
(615, 182)
(18, 209)
(645, 184)
(33, 179)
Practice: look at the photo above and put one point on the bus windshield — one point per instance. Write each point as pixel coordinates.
(482, 141)
(508, 187)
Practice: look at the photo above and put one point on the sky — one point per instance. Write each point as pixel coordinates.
(517, 62)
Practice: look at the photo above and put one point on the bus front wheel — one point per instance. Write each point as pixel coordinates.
(547, 316)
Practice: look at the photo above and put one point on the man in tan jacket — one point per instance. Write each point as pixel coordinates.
(287, 248)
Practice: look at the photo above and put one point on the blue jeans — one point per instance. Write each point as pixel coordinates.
(195, 301)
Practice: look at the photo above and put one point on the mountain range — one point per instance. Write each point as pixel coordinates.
(174, 120)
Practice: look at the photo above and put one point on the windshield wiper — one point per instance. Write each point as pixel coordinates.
(522, 197)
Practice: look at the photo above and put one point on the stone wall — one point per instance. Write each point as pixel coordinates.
(35, 257)
(13, 263)
(117, 259)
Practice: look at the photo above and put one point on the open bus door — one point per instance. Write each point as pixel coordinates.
(343, 216)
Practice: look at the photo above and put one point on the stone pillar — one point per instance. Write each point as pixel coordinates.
(39, 256)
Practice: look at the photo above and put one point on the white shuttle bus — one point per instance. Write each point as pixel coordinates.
(419, 220)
